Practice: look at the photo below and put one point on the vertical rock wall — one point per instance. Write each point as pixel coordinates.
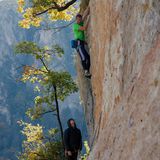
(124, 44)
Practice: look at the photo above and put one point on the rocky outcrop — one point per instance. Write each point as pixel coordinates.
(123, 110)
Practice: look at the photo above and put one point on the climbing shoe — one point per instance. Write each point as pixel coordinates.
(87, 74)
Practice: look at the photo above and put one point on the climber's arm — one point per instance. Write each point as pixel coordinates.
(82, 28)
(85, 17)
(86, 13)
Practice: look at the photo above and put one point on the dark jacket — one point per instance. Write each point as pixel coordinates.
(72, 138)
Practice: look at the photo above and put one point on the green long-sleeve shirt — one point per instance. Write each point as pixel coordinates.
(78, 34)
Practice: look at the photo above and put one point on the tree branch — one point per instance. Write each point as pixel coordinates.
(57, 7)
(44, 64)
(41, 114)
(59, 28)
(24, 65)
(58, 114)
(48, 112)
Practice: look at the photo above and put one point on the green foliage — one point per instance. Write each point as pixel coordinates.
(51, 86)
(27, 47)
(44, 78)
(87, 148)
(38, 145)
(63, 81)
(31, 48)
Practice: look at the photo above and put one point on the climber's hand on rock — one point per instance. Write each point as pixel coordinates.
(66, 153)
(85, 43)
(69, 153)
(82, 28)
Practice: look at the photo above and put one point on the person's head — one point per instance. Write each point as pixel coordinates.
(71, 123)
(79, 18)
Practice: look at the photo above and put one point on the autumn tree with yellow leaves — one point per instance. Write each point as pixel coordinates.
(39, 10)
(51, 85)
(39, 145)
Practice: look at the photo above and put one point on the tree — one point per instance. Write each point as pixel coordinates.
(52, 85)
(33, 11)
(38, 145)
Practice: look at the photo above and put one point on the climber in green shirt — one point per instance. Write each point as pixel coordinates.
(78, 32)
(79, 35)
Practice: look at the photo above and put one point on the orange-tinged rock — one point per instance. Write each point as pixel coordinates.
(123, 115)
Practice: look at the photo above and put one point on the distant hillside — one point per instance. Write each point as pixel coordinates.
(15, 96)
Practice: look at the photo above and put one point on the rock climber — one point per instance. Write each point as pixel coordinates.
(72, 140)
(79, 35)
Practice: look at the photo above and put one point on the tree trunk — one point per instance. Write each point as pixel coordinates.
(58, 115)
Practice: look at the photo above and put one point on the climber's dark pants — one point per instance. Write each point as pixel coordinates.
(85, 58)
(73, 157)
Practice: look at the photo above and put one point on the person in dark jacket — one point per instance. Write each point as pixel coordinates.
(72, 140)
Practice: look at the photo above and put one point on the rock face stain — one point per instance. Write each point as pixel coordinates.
(124, 44)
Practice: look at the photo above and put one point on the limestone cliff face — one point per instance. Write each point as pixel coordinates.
(122, 100)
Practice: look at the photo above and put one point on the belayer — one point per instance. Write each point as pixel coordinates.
(79, 44)
(72, 140)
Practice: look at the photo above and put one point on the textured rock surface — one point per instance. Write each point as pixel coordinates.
(124, 42)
